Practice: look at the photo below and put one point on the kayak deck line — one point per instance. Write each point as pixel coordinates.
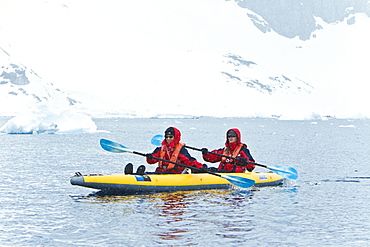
(168, 182)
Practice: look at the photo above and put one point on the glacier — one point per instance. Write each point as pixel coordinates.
(46, 119)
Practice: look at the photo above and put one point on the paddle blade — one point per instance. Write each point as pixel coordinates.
(157, 140)
(113, 147)
(239, 181)
(284, 171)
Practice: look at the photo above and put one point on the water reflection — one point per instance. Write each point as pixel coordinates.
(187, 213)
(172, 207)
(183, 215)
(172, 204)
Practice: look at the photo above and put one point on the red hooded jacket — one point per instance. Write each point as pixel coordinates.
(232, 165)
(169, 148)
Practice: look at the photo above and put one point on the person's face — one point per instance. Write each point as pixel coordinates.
(232, 139)
(169, 138)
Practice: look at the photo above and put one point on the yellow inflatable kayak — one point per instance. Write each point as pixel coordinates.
(127, 184)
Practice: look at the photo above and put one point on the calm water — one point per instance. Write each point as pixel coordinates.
(327, 206)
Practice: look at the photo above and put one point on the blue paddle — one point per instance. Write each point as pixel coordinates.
(284, 171)
(115, 147)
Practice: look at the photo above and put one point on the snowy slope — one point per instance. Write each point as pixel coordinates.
(202, 58)
(38, 106)
(21, 87)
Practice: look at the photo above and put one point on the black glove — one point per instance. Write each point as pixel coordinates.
(212, 169)
(149, 156)
(204, 168)
(204, 151)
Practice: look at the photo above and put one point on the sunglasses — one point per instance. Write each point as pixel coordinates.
(230, 136)
(169, 137)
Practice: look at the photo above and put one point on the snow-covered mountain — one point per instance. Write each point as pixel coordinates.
(21, 88)
(39, 106)
(199, 58)
(261, 79)
(300, 18)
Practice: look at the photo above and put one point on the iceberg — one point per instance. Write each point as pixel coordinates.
(46, 119)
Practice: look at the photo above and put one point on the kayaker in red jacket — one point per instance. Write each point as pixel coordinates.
(234, 148)
(172, 149)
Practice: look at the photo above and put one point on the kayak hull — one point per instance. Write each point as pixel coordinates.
(148, 183)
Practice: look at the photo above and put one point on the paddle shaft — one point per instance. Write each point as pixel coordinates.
(226, 156)
(287, 172)
(168, 161)
(156, 141)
